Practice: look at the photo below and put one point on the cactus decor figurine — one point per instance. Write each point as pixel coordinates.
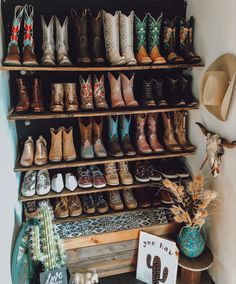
(156, 270)
(46, 245)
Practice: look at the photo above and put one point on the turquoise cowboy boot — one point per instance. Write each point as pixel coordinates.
(127, 147)
(114, 148)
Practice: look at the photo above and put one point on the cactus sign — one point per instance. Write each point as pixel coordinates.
(157, 260)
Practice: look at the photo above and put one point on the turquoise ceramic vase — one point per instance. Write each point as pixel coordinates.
(190, 241)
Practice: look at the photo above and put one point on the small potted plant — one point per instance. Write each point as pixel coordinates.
(190, 207)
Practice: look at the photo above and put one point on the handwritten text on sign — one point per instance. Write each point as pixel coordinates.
(56, 276)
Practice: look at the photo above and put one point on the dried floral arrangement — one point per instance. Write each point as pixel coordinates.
(190, 203)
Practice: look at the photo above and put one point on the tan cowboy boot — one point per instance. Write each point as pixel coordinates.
(141, 142)
(57, 98)
(27, 157)
(86, 150)
(71, 97)
(115, 87)
(169, 138)
(98, 146)
(152, 133)
(69, 153)
(41, 153)
(127, 90)
(55, 154)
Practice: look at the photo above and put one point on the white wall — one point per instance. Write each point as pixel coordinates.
(215, 35)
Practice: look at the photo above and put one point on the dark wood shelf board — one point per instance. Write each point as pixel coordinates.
(77, 163)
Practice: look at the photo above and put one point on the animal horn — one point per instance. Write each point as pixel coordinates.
(227, 144)
(203, 128)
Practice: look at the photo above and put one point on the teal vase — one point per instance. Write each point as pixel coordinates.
(190, 241)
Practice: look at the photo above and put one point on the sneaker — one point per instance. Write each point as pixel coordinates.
(70, 182)
(100, 203)
(167, 168)
(166, 196)
(114, 200)
(143, 197)
(153, 172)
(57, 183)
(75, 207)
(43, 182)
(97, 177)
(129, 199)
(84, 177)
(125, 175)
(31, 209)
(61, 208)
(88, 204)
(29, 184)
(182, 170)
(141, 173)
(111, 175)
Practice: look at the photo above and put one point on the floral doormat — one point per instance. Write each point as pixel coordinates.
(120, 222)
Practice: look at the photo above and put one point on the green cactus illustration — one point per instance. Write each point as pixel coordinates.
(46, 245)
(156, 270)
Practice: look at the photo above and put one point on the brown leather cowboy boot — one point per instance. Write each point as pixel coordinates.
(114, 148)
(127, 147)
(86, 93)
(37, 96)
(86, 147)
(71, 97)
(98, 146)
(169, 138)
(115, 87)
(69, 153)
(99, 93)
(57, 97)
(141, 142)
(152, 133)
(23, 92)
(127, 90)
(55, 154)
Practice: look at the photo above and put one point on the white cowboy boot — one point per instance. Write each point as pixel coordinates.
(48, 46)
(127, 38)
(111, 35)
(62, 47)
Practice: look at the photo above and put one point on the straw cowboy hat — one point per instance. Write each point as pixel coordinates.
(217, 86)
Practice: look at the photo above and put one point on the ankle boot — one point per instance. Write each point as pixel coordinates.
(114, 148)
(99, 93)
(115, 88)
(186, 41)
(95, 28)
(170, 42)
(186, 87)
(13, 53)
(37, 104)
(154, 30)
(27, 157)
(48, 46)
(127, 147)
(141, 142)
(69, 153)
(112, 40)
(23, 104)
(126, 37)
(147, 94)
(86, 93)
(173, 91)
(41, 152)
(98, 146)
(140, 27)
(158, 92)
(127, 90)
(180, 127)
(29, 58)
(62, 47)
(86, 148)
(71, 97)
(81, 36)
(57, 97)
(55, 154)
(152, 133)
(169, 138)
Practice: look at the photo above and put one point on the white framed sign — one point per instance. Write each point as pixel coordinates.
(157, 260)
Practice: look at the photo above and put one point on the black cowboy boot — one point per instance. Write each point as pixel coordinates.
(173, 91)
(147, 96)
(186, 87)
(158, 92)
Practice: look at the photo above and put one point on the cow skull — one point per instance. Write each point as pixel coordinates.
(215, 149)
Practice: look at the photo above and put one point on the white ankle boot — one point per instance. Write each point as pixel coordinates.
(48, 46)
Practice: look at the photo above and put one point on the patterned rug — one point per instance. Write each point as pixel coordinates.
(113, 223)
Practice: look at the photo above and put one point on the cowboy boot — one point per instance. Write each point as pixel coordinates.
(173, 91)
(62, 47)
(115, 87)
(27, 157)
(112, 41)
(186, 87)
(127, 90)
(152, 133)
(69, 153)
(86, 93)
(99, 93)
(57, 97)
(147, 94)
(98, 146)
(158, 92)
(37, 96)
(48, 46)
(154, 30)
(23, 104)
(169, 137)
(86, 148)
(114, 148)
(186, 34)
(141, 142)
(81, 36)
(180, 128)
(13, 53)
(55, 154)
(169, 30)
(140, 28)
(95, 28)
(126, 38)
(41, 153)
(127, 147)
(71, 97)
(29, 58)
